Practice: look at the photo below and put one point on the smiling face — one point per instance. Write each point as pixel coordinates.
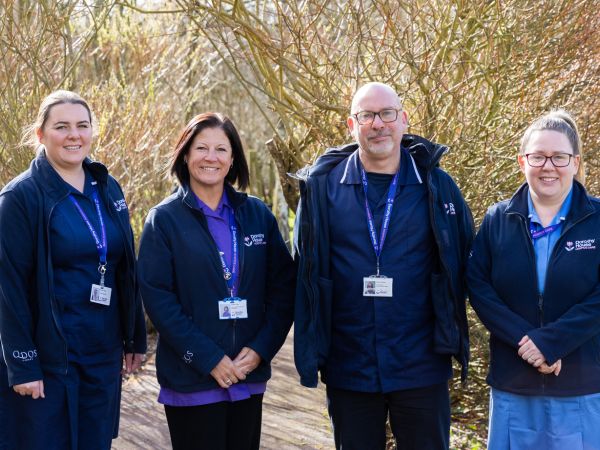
(549, 184)
(66, 135)
(209, 159)
(379, 141)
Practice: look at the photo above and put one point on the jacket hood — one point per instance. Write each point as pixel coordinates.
(426, 154)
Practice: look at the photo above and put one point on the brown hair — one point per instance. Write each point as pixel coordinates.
(563, 122)
(238, 173)
(53, 99)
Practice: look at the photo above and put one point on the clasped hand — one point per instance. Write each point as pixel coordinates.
(229, 372)
(530, 353)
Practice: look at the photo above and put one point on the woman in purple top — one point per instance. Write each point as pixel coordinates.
(217, 281)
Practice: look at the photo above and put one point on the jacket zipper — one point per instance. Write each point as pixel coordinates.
(550, 260)
(203, 224)
(129, 328)
(437, 241)
(241, 268)
(51, 286)
(311, 246)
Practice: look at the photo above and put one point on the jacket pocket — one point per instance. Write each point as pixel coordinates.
(446, 339)
(324, 318)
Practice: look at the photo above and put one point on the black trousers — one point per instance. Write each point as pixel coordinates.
(218, 426)
(419, 418)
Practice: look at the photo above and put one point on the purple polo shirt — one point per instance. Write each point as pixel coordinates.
(218, 225)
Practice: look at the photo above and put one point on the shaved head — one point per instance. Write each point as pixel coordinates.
(378, 141)
(375, 89)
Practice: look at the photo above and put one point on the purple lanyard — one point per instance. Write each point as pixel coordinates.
(231, 275)
(101, 245)
(378, 246)
(541, 233)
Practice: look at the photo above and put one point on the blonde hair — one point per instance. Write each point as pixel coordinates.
(563, 122)
(59, 97)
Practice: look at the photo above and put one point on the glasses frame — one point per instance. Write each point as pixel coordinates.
(375, 114)
(570, 155)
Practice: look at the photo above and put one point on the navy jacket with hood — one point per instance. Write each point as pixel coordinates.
(181, 280)
(452, 225)
(564, 322)
(30, 327)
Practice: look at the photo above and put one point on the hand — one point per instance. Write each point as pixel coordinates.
(530, 353)
(226, 373)
(554, 368)
(247, 360)
(133, 361)
(33, 388)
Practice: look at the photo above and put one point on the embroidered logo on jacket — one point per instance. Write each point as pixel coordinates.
(188, 357)
(450, 209)
(25, 356)
(585, 244)
(120, 205)
(254, 239)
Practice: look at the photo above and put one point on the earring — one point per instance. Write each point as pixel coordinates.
(185, 159)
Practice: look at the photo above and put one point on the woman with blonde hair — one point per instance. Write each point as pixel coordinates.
(69, 310)
(534, 281)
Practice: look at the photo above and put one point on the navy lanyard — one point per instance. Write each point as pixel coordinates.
(101, 245)
(231, 275)
(378, 246)
(541, 233)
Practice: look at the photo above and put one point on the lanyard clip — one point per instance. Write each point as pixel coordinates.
(102, 270)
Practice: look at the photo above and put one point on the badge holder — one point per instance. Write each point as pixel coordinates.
(233, 308)
(100, 294)
(378, 286)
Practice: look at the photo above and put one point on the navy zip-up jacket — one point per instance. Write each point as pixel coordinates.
(452, 227)
(564, 323)
(181, 280)
(30, 330)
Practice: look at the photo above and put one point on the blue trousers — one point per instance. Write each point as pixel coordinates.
(80, 410)
(523, 422)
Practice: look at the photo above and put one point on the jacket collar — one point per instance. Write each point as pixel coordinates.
(408, 170)
(54, 186)
(426, 155)
(581, 206)
(189, 198)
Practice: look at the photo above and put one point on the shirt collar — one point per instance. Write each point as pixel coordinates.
(220, 211)
(560, 216)
(408, 169)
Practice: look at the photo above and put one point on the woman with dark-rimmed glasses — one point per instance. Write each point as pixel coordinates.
(534, 282)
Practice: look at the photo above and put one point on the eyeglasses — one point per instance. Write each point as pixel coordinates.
(539, 160)
(367, 117)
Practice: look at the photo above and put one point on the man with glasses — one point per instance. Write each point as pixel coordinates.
(382, 235)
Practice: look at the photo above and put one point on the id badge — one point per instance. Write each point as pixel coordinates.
(374, 286)
(233, 308)
(100, 294)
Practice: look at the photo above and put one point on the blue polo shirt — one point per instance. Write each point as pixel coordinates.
(544, 245)
(381, 344)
